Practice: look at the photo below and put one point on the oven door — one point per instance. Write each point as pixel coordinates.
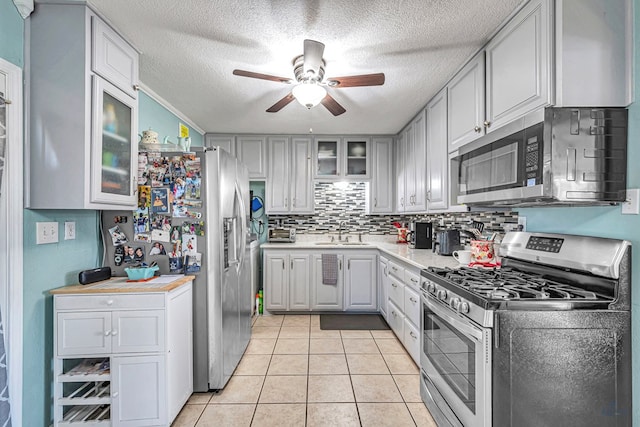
(456, 357)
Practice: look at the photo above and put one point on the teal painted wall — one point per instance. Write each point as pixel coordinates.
(11, 33)
(258, 188)
(155, 116)
(608, 221)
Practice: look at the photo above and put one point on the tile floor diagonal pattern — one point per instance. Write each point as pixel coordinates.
(295, 374)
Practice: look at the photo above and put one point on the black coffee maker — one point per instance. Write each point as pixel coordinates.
(421, 235)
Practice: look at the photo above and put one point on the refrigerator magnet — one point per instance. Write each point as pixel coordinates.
(117, 236)
(160, 236)
(160, 200)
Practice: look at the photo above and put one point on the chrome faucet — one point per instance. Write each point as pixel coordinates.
(340, 225)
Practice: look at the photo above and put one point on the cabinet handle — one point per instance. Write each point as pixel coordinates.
(286, 201)
(394, 285)
(414, 336)
(340, 264)
(283, 264)
(348, 264)
(293, 202)
(110, 302)
(375, 202)
(386, 273)
(115, 394)
(136, 87)
(292, 264)
(107, 333)
(394, 268)
(477, 129)
(135, 185)
(394, 313)
(402, 201)
(413, 300)
(414, 280)
(487, 124)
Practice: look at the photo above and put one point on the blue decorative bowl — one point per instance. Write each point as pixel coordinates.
(141, 273)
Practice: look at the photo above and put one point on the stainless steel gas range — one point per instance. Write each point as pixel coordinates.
(543, 341)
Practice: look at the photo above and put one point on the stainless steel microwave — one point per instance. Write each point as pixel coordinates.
(555, 156)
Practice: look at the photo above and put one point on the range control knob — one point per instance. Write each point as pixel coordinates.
(442, 295)
(454, 303)
(463, 307)
(431, 287)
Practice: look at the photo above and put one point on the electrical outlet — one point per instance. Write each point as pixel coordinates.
(631, 206)
(69, 230)
(46, 232)
(522, 223)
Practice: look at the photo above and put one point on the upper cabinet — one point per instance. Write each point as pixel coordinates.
(380, 194)
(437, 155)
(226, 142)
(411, 167)
(509, 78)
(83, 111)
(252, 151)
(567, 53)
(342, 157)
(289, 188)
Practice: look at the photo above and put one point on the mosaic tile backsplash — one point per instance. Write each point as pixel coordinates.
(333, 205)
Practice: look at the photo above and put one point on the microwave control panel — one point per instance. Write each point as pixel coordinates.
(532, 155)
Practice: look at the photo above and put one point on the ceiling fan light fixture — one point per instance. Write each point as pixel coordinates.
(309, 94)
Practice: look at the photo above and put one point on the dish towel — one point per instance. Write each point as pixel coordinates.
(330, 269)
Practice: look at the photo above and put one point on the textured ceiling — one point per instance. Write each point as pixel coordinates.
(190, 48)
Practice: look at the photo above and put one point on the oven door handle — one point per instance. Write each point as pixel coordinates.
(465, 326)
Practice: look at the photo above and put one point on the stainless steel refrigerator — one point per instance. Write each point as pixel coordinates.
(222, 294)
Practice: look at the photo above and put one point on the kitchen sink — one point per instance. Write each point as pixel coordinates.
(342, 243)
(327, 243)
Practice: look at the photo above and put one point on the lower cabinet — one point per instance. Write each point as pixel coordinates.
(326, 296)
(361, 282)
(395, 319)
(122, 359)
(383, 285)
(293, 281)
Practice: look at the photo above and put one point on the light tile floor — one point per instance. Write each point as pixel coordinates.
(295, 374)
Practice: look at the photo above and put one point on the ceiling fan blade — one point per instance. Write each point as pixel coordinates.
(361, 80)
(332, 105)
(253, 75)
(313, 51)
(281, 104)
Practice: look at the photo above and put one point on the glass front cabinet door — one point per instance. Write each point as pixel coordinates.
(327, 151)
(357, 155)
(114, 145)
(342, 157)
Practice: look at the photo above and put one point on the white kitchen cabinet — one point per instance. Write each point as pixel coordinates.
(324, 296)
(380, 195)
(411, 179)
(299, 281)
(412, 305)
(519, 65)
(360, 281)
(226, 142)
(113, 58)
(83, 111)
(395, 319)
(464, 104)
(384, 282)
(437, 154)
(286, 280)
(122, 359)
(411, 340)
(342, 157)
(289, 188)
(252, 151)
(401, 171)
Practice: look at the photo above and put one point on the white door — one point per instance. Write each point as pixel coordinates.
(400, 172)
(252, 151)
(299, 282)
(276, 281)
(419, 160)
(326, 297)
(381, 198)
(11, 220)
(437, 155)
(137, 331)
(360, 282)
(301, 183)
(277, 186)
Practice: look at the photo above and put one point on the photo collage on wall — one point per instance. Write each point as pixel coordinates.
(166, 219)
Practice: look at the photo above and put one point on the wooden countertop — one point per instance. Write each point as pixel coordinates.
(120, 285)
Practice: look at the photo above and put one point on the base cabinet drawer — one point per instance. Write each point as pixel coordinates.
(395, 319)
(412, 306)
(396, 293)
(411, 341)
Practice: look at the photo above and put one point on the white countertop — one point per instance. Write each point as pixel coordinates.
(420, 258)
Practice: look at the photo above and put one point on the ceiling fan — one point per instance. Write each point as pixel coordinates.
(310, 91)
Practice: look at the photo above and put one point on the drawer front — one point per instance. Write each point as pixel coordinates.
(412, 278)
(395, 318)
(396, 270)
(411, 341)
(83, 333)
(412, 306)
(109, 301)
(396, 292)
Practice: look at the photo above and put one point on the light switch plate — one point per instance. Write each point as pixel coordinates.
(632, 205)
(69, 230)
(522, 221)
(46, 232)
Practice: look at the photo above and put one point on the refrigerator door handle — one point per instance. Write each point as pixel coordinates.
(243, 226)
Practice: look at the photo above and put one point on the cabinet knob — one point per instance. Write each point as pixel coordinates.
(114, 333)
(487, 123)
(115, 394)
(478, 129)
(414, 336)
(107, 333)
(375, 202)
(110, 302)
(413, 300)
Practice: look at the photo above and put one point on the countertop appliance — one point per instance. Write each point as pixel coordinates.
(281, 235)
(545, 340)
(447, 242)
(564, 156)
(421, 235)
(222, 294)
